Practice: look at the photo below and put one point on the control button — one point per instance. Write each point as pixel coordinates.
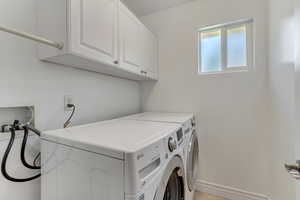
(172, 144)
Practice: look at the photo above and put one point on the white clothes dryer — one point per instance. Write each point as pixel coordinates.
(188, 124)
(113, 160)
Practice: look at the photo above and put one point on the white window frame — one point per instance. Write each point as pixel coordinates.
(224, 27)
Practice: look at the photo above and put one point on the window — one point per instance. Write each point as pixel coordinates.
(224, 48)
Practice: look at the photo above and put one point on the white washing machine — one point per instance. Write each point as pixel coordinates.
(114, 160)
(188, 123)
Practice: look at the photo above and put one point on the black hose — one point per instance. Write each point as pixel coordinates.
(37, 132)
(23, 159)
(4, 161)
(37, 157)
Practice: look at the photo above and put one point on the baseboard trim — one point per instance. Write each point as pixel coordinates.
(227, 192)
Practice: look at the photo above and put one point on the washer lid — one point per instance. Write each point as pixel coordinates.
(162, 117)
(112, 138)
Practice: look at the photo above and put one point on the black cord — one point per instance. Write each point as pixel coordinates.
(66, 124)
(23, 159)
(4, 161)
(37, 157)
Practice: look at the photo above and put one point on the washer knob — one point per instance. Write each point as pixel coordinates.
(172, 144)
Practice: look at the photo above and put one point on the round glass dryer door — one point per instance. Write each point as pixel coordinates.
(171, 186)
(174, 187)
(192, 161)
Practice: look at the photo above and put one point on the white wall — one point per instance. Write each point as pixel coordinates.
(297, 87)
(282, 96)
(26, 80)
(230, 108)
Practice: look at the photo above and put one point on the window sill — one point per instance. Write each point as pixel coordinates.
(224, 72)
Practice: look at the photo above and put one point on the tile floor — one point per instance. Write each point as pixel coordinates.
(204, 196)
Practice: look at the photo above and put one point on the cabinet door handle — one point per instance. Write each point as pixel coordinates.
(116, 62)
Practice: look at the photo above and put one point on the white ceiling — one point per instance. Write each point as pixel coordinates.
(145, 7)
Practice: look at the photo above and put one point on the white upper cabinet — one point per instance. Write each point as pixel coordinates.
(98, 35)
(150, 53)
(93, 29)
(130, 41)
(138, 46)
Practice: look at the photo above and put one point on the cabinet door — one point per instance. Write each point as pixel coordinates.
(93, 29)
(150, 53)
(131, 45)
(153, 68)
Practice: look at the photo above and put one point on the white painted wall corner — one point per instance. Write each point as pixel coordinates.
(228, 192)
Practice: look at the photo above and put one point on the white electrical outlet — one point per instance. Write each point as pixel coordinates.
(68, 100)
